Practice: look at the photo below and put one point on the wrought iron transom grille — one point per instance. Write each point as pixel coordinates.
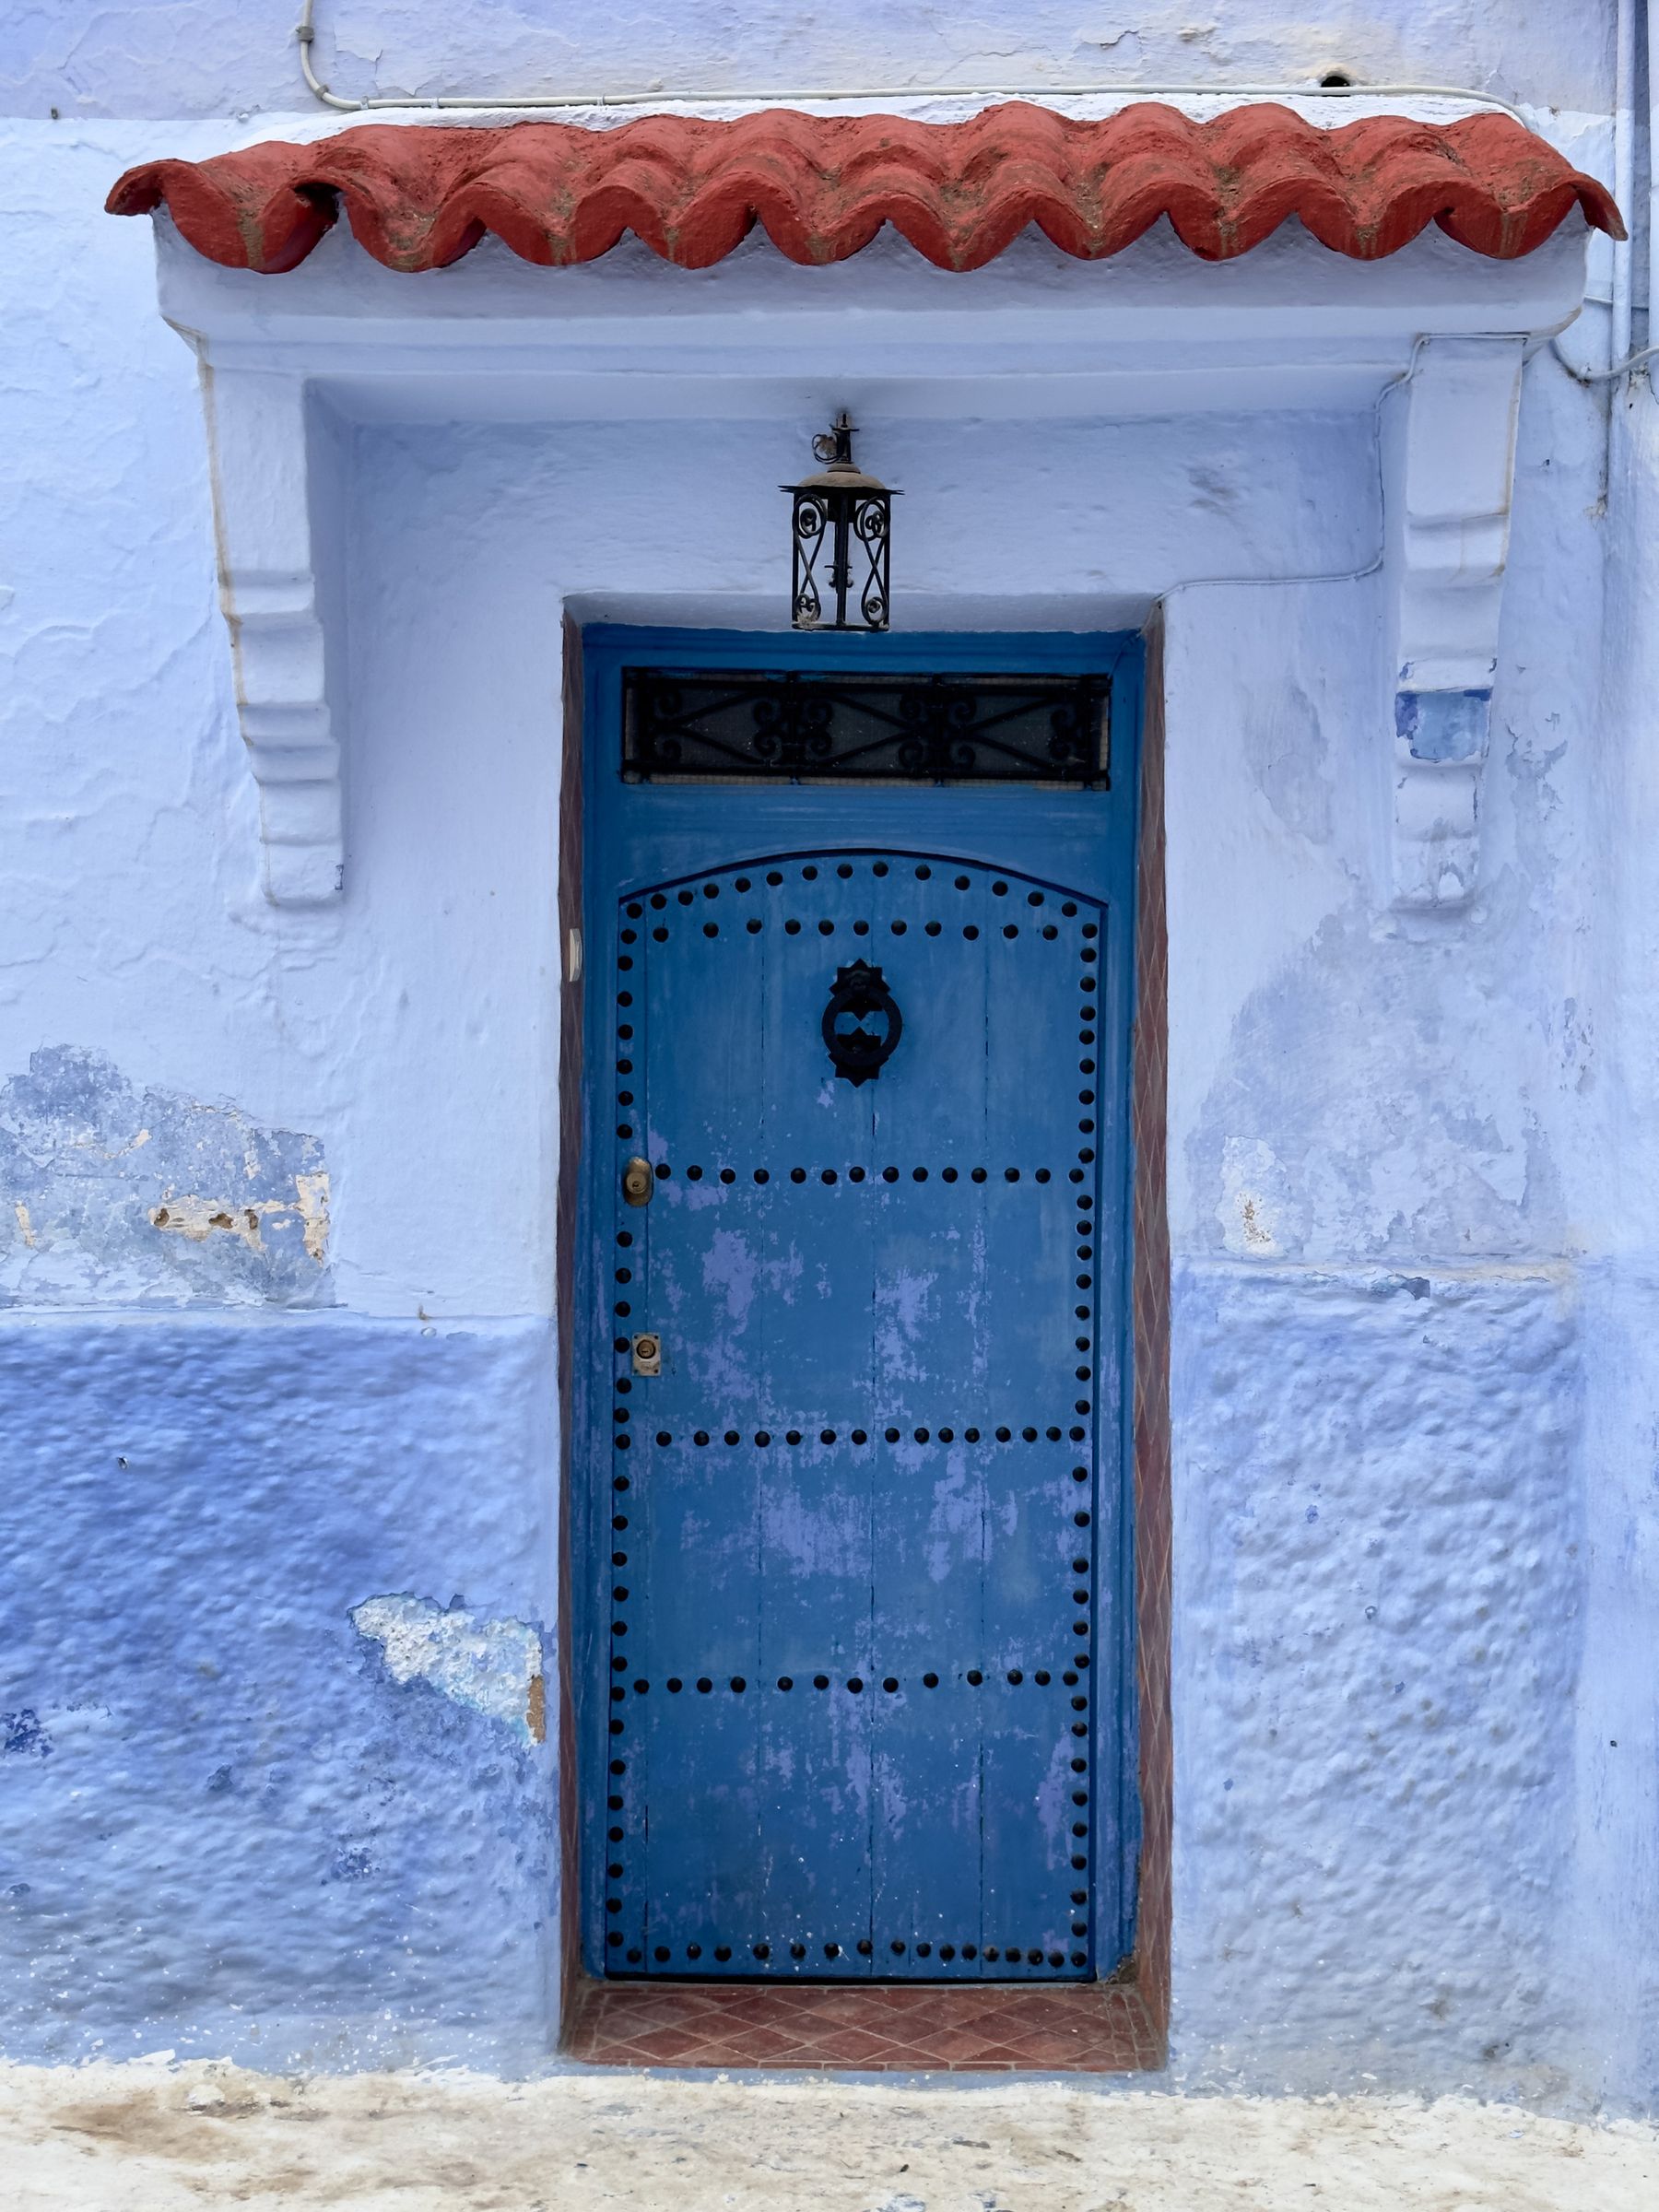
(754, 725)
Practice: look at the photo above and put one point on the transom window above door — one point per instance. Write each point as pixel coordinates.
(747, 725)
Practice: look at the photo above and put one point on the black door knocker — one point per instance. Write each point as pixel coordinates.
(857, 990)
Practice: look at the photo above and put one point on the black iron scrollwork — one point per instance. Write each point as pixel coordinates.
(806, 726)
(858, 1053)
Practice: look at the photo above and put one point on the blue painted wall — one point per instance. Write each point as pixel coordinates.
(227, 1827)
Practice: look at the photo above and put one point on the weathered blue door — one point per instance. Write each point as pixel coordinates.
(860, 1203)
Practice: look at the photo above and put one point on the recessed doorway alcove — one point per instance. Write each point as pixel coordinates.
(855, 1648)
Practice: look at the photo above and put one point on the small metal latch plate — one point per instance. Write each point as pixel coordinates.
(638, 1182)
(647, 1354)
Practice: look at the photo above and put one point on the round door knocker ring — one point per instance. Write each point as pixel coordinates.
(856, 1052)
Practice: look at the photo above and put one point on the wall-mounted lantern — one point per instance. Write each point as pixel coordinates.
(841, 522)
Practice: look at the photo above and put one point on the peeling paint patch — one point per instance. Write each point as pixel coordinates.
(199, 1218)
(1387, 1073)
(312, 1205)
(1288, 758)
(110, 1196)
(1258, 1215)
(494, 1666)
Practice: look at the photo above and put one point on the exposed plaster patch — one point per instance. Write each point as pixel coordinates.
(1259, 1219)
(494, 1666)
(117, 1196)
(199, 1218)
(312, 1205)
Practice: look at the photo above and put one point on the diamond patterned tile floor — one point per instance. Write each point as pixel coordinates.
(985, 2027)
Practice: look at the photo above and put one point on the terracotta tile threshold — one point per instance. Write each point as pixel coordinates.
(979, 2028)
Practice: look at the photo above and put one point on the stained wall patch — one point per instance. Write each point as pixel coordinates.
(494, 1666)
(109, 1195)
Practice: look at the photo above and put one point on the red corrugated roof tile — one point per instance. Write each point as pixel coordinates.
(420, 195)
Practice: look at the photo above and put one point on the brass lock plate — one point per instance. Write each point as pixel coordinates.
(638, 1182)
(648, 1354)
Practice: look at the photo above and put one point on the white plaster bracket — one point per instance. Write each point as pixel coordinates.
(1450, 460)
(264, 487)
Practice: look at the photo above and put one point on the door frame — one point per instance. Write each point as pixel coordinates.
(595, 872)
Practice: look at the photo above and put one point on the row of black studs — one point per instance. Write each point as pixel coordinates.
(615, 1801)
(694, 1174)
(891, 1684)
(1087, 1233)
(1085, 1241)
(1015, 1955)
(764, 1437)
(846, 870)
(856, 1684)
(793, 928)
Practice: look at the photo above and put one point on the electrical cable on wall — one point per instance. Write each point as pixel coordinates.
(305, 34)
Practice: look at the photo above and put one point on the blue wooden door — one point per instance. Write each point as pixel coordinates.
(859, 1209)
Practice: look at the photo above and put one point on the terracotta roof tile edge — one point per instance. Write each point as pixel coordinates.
(419, 196)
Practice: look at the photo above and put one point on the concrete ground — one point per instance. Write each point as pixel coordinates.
(153, 2138)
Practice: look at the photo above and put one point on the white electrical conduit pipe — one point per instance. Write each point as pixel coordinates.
(1624, 171)
(1602, 376)
(305, 33)
(1627, 44)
